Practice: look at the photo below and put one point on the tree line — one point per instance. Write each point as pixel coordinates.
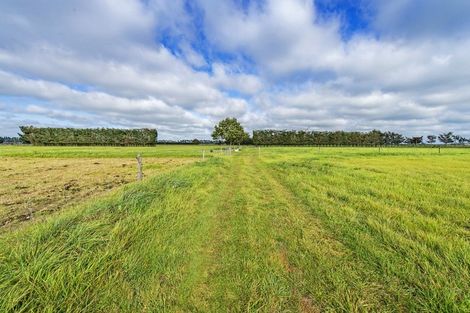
(10, 140)
(228, 131)
(45, 136)
(344, 138)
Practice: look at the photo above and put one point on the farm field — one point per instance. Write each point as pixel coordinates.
(37, 181)
(273, 230)
(160, 151)
(33, 187)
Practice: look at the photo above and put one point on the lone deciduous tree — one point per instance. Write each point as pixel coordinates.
(446, 138)
(230, 131)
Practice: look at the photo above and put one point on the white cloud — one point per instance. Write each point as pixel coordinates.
(233, 79)
(87, 62)
(281, 36)
(361, 83)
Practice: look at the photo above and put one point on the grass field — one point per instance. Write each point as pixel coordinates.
(276, 230)
(36, 181)
(160, 151)
(34, 187)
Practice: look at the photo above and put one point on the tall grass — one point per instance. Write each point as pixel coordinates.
(405, 217)
(122, 253)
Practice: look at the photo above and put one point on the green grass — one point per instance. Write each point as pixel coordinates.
(291, 230)
(106, 152)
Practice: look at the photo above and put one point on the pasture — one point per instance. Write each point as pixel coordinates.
(36, 181)
(282, 229)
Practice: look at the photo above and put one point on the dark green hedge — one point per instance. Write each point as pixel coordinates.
(87, 136)
(337, 138)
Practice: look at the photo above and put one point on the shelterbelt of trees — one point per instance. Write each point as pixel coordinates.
(228, 131)
(343, 138)
(45, 136)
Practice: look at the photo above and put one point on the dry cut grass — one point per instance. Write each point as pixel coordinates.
(33, 187)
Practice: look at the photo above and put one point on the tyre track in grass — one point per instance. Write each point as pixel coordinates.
(270, 255)
(325, 273)
(413, 280)
(243, 275)
(182, 285)
(194, 292)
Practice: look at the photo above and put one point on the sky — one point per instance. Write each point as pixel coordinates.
(182, 65)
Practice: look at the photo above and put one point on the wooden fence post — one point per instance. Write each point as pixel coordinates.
(140, 175)
(30, 209)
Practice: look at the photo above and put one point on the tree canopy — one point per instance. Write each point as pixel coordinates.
(431, 139)
(87, 136)
(230, 131)
(415, 140)
(342, 138)
(446, 138)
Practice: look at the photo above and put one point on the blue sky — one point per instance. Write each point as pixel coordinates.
(181, 65)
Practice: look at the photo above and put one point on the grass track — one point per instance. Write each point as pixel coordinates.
(290, 231)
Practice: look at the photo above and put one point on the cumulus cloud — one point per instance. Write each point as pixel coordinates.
(361, 83)
(181, 66)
